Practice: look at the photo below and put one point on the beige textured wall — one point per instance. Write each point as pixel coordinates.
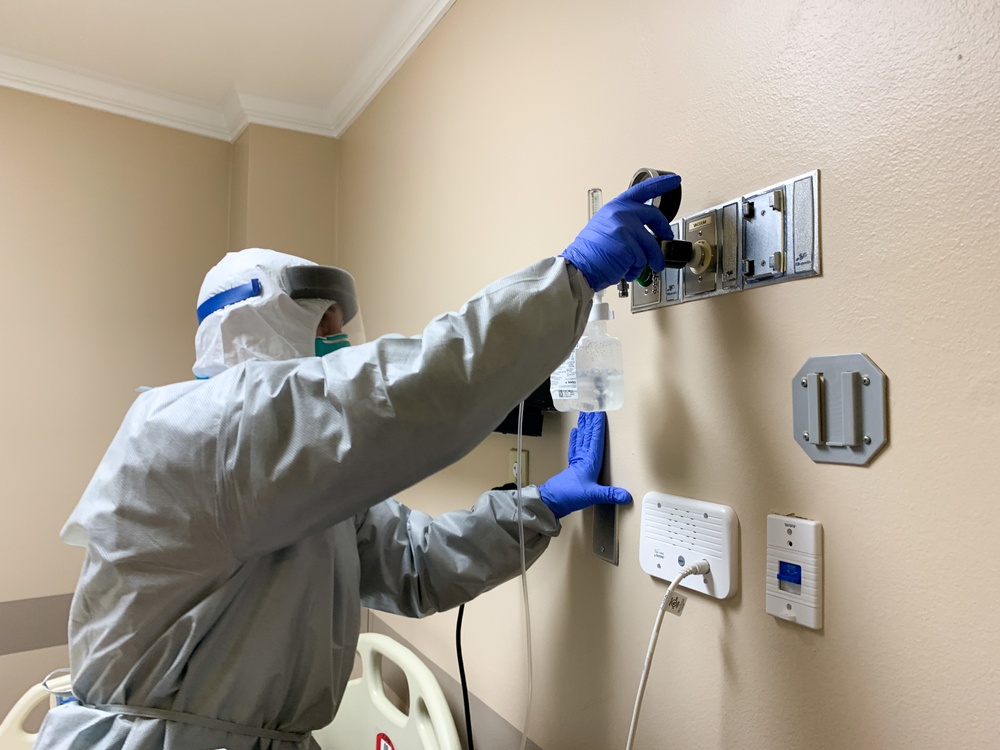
(475, 160)
(107, 226)
(284, 193)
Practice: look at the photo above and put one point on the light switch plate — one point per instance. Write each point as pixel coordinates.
(794, 588)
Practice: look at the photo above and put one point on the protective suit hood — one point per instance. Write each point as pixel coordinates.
(259, 304)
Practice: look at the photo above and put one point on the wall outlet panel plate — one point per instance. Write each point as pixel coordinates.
(677, 531)
(664, 290)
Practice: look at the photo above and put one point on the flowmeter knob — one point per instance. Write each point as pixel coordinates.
(668, 204)
(676, 253)
(703, 256)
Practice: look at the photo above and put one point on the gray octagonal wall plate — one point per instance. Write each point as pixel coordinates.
(839, 409)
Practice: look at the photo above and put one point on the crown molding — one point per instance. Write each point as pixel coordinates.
(261, 110)
(226, 120)
(112, 96)
(398, 41)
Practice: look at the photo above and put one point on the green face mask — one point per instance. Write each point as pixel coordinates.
(328, 344)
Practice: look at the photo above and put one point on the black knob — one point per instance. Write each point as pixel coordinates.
(676, 253)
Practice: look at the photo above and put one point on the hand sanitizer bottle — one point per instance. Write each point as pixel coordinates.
(592, 378)
(600, 378)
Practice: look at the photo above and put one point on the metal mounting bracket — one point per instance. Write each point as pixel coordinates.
(605, 535)
(839, 410)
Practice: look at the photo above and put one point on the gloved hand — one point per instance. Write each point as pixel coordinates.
(576, 486)
(615, 243)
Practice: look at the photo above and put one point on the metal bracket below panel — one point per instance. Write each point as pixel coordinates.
(606, 516)
(606, 532)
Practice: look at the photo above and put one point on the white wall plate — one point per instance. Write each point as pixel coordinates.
(795, 570)
(677, 531)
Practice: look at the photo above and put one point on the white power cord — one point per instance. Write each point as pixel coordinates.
(699, 568)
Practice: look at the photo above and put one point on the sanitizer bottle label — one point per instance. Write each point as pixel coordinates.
(563, 380)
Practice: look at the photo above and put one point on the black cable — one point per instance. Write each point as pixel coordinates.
(461, 673)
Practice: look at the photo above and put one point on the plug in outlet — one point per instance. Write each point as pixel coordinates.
(512, 466)
(702, 231)
(714, 237)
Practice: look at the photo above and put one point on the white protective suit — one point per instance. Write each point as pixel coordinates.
(236, 525)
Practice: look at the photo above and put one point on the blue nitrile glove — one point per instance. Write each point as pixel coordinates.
(615, 244)
(576, 486)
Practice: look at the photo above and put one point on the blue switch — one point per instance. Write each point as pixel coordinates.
(790, 577)
(789, 572)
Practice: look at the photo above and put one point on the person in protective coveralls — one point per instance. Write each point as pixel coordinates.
(237, 523)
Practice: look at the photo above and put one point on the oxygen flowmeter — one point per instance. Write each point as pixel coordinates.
(676, 253)
(592, 378)
(766, 236)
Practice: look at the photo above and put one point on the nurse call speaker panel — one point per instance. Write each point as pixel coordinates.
(679, 531)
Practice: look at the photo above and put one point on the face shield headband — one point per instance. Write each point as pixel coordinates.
(303, 282)
(256, 321)
(229, 297)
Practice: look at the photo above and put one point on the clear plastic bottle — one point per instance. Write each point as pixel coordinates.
(599, 373)
(592, 377)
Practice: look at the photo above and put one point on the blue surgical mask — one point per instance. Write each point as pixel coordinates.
(327, 344)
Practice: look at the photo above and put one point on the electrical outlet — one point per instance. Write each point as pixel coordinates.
(512, 466)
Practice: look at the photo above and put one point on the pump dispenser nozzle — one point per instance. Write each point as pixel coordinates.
(601, 310)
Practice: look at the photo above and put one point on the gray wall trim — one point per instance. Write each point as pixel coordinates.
(31, 624)
(489, 728)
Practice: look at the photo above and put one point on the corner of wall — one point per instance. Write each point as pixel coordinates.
(239, 190)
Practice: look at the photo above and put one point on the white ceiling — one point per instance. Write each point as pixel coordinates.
(213, 66)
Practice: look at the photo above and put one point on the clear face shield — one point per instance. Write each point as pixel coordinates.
(330, 294)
